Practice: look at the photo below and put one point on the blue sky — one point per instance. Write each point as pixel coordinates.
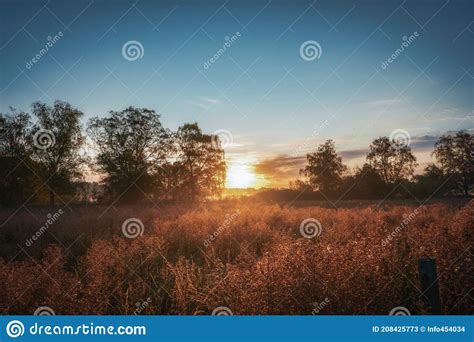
(275, 105)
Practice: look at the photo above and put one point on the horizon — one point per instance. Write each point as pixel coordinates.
(272, 103)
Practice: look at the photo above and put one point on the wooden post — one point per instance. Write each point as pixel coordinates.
(429, 284)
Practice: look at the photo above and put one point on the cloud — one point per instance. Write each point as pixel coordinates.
(384, 103)
(418, 143)
(281, 168)
(353, 154)
(204, 102)
(209, 100)
(424, 142)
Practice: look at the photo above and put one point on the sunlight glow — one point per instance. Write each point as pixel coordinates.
(240, 175)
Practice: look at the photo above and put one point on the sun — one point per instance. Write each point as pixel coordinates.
(240, 175)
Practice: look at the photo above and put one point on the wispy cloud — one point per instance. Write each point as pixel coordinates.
(353, 154)
(204, 102)
(383, 103)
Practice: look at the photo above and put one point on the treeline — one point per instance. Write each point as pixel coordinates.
(389, 171)
(46, 153)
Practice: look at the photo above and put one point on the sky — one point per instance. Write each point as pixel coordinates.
(240, 68)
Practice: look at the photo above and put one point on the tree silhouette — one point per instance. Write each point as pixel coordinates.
(138, 159)
(393, 162)
(325, 168)
(131, 147)
(432, 182)
(367, 183)
(17, 176)
(455, 154)
(201, 160)
(57, 139)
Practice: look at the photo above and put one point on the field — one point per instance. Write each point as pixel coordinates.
(250, 258)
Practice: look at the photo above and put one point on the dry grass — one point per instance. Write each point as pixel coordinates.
(258, 263)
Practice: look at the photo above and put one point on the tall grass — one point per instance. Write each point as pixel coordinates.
(249, 257)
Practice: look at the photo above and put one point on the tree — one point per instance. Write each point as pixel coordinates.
(432, 182)
(455, 154)
(14, 131)
(57, 139)
(325, 168)
(392, 161)
(366, 183)
(201, 160)
(17, 176)
(131, 147)
(299, 185)
(171, 181)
